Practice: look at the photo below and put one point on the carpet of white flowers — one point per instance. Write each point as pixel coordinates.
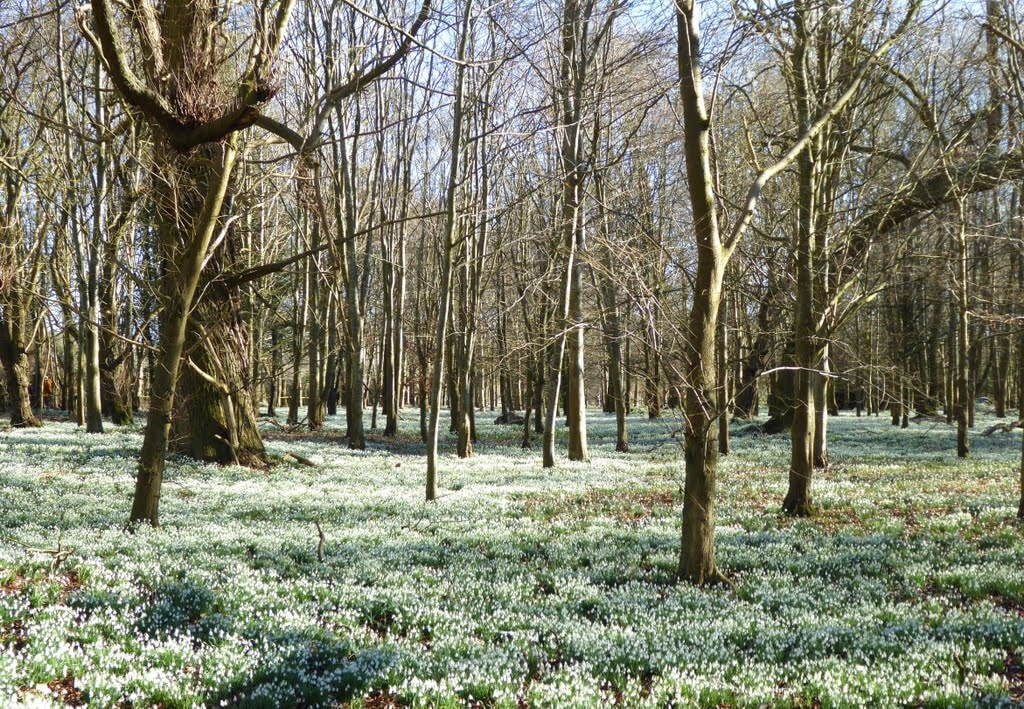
(519, 586)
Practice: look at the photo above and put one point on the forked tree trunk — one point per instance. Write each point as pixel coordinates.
(553, 373)
(348, 263)
(697, 548)
(199, 181)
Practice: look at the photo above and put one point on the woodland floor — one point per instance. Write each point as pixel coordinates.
(520, 586)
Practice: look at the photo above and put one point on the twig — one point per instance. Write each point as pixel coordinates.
(299, 459)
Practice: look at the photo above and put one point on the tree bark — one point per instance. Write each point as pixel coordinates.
(822, 386)
(90, 286)
(798, 497)
(697, 548)
(182, 248)
(447, 253)
(16, 367)
(963, 392)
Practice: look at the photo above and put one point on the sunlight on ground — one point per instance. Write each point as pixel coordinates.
(549, 587)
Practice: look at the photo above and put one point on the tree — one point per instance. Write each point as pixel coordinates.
(448, 246)
(193, 122)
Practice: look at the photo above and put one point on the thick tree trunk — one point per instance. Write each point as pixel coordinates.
(182, 249)
(16, 367)
(354, 386)
(464, 392)
(782, 395)
(697, 547)
(801, 464)
(69, 387)
(93, 396)
(116, 401)
(798, 496)
(216, 421)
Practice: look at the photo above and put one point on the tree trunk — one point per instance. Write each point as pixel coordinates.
(16, 367)
(821, 390)
(331, 369)
(397, 336)
(91, 287)
(963, 393)
(447, 252)
(216, 421)
(1000, 379)
(722, 366)
(576, 408)
(1020, 508)
(754, 363)
(798, 497)
(613, 347)
(314, 386)
(275, 370)
(300, 314)
(697, 547)
(182, 249)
